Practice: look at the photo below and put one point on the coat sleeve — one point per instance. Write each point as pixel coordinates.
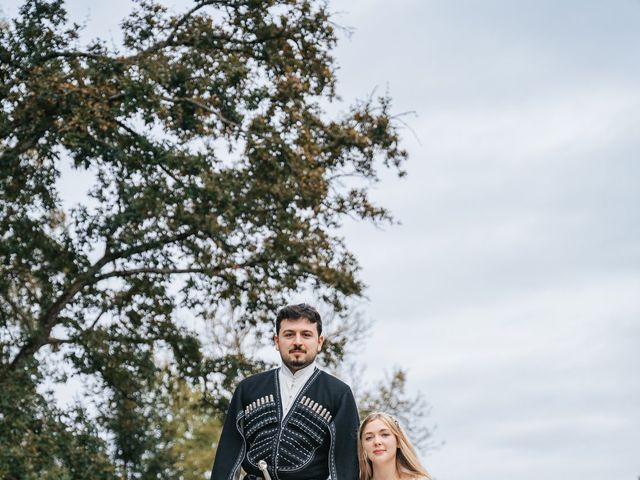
(231, 447)
(345, 452)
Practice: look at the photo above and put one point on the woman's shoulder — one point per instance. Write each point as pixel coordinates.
(405, 475)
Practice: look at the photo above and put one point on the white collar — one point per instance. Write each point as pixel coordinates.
(303, 372)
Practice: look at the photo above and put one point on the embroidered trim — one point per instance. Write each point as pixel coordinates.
(306, 429)
(333, 472)
(261, 427)
(240, 458)
(278, 458)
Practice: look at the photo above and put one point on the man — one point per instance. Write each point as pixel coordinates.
(302, 421)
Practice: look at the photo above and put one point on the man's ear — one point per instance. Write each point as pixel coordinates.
(275, 342)
(320, 342)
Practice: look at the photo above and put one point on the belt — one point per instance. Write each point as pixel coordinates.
(249, 476)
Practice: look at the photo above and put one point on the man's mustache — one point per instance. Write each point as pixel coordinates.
(293, 350)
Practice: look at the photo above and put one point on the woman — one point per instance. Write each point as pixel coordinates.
(384, 451)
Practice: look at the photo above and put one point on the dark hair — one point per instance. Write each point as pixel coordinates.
(302, 310)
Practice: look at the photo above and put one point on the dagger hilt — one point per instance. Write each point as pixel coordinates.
(262, 465)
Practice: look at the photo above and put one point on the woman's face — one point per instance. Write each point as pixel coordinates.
(379, 443)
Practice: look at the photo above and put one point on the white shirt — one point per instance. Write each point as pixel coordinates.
(292, 383)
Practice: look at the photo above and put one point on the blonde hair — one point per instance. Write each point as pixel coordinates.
(406, 457)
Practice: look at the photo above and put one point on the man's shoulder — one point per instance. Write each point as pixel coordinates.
(333, 382)
(258, 378)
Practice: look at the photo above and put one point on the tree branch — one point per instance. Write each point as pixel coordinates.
(93, 56)
(167, 41)
(49, 318)
(150, 145)
(201, 105)
(144, 247)
(21, 147)
(18, 311)
(58, 341)
(153, 271)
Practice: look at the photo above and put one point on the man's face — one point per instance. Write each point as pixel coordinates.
(298, 343)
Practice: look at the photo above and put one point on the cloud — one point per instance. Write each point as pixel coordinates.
(525, 378)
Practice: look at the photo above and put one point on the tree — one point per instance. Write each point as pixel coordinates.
(388, 395)
(189, 431)
(193, 423)
(39, 441)
(217, 182)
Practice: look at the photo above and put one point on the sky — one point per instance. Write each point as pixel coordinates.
(510, 290)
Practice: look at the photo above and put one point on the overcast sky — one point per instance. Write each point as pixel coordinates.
(511, 290)
(512, 287)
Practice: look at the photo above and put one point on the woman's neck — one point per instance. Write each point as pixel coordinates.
(386, 471)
